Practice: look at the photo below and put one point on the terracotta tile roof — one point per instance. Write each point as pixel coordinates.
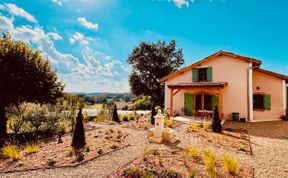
(198, 84)
(219, 53)
(272, 73)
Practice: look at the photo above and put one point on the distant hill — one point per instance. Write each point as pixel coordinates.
(98, 97)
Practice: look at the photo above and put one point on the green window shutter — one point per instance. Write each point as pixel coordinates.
(188, 104)
(214, 101)
(194, 74)
(209, 74)
(267, 102)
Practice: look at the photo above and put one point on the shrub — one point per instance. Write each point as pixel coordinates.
(114, 146)
(72, 151)
(115, 114)
(193, 152)
(51, 161)
(206, 126)
(216, 122)
(209, 158)
(12, 152)
(80, 157)
(168, 122)
(191, 173)
(100, 151)
(133, 172)
(87, 148)
(78, 140)
(125, 118)
(131, 117)
(230, 164)
(32, 148)
(194, 127)
(170, 173)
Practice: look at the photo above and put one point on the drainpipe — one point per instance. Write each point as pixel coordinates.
(250, 89)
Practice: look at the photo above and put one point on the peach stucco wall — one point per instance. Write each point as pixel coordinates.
(224, 69)
(269, 84)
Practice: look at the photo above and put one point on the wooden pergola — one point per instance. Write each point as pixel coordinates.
(211, 88)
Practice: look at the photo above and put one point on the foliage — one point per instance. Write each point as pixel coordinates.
(194, 127)
(150, 63)
(216, 122)
(209, 159)
(25, 76)
(230, 163)
(102, 116)
(169, 173)
(100, 151)
(206, 126)
(115, 116)
(80, 157)
(142, 103)
(36, 115)
(78, 140)
(32, 148)
(12, 152)
(133, 172)
(193, 152)
(16, 117)
(51, 161)
(168, 122)
(191, 173)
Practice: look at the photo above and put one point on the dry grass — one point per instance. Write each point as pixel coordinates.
(174, 161)
(61, 154)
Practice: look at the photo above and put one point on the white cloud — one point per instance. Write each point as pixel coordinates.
(17, 11)
(79, 37)
(58, 2)
(94, 71)
(87, 24)
(180, 3)
(6, 23)
(55, 36)
(2, 7)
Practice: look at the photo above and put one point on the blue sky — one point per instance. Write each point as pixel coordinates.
(88, 41)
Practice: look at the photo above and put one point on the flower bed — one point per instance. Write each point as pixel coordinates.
(51, 153)
(180, 164)
(230, 140)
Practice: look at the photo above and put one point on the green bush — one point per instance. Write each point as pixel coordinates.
(12, 152)
(131, 117)
(230, 164)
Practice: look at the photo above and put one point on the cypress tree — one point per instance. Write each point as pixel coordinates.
(153, 113)
(78, 140)
(115, 115)
(216, 122)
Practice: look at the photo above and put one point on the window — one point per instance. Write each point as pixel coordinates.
(202, 74)
(258, 101)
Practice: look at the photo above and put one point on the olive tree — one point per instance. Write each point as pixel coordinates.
(25, 76)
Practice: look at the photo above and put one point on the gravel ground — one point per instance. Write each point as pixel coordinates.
(269, 159)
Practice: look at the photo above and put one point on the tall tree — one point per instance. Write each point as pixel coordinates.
(24, 76)
(151, 62)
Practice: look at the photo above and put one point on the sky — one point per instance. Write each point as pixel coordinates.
(88, 41)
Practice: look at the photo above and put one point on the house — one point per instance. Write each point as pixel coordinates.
(236, 84)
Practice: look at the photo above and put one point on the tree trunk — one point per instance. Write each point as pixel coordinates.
(3, 123)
